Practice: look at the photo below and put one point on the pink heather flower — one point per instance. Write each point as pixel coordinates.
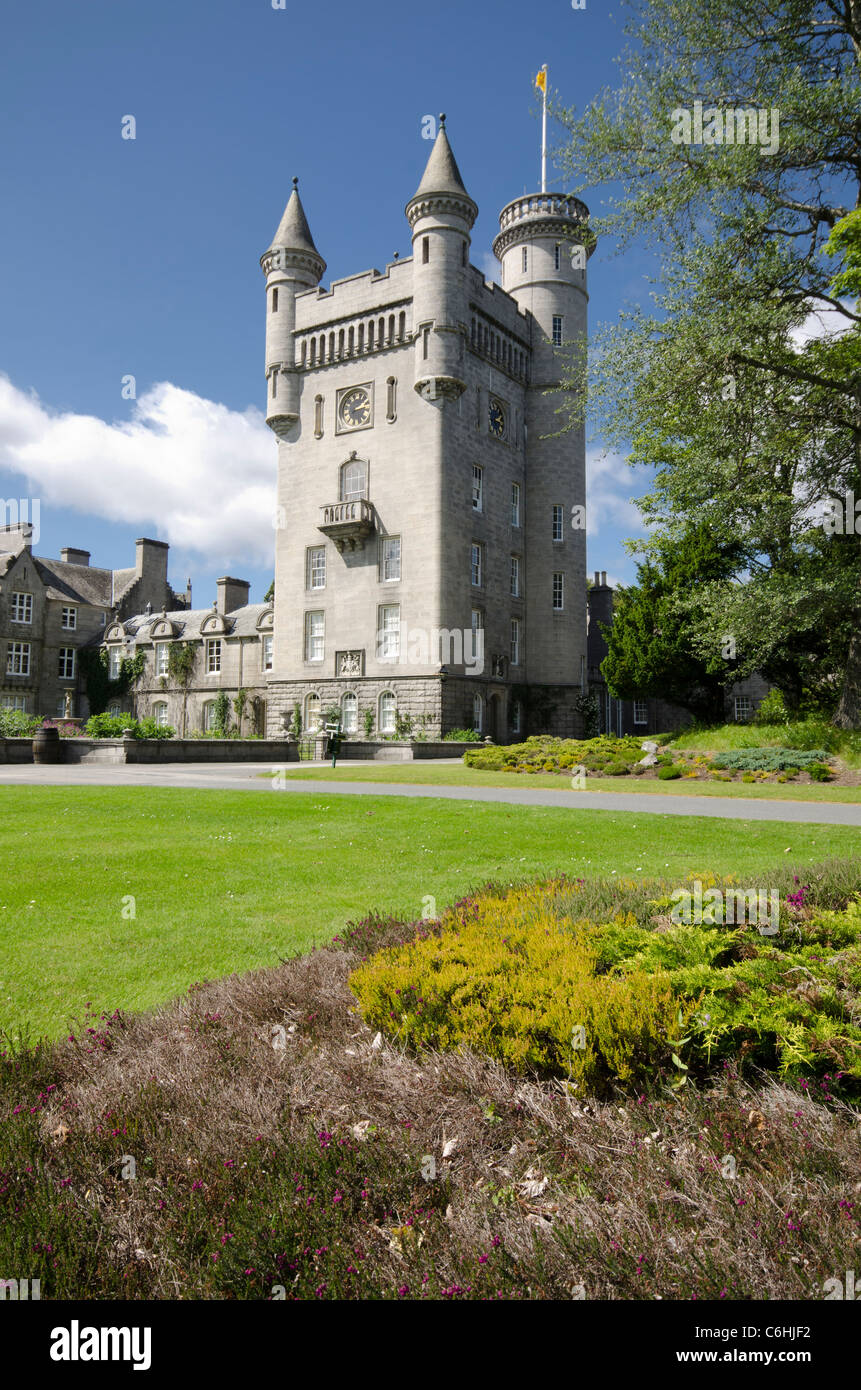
(482, 1259)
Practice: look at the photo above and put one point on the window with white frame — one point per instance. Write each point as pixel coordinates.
(390, 559)
(515, 642)
(15, 702)
(742, 707)
(389, 632)
(477, 712)
(515, 504)
(557, 330)
(267, 654)
(315, 569)
(66, 664)
(558, 591)
(350, 713)
(22, 608)
(558, 522)
(161, 659)
(477, 489)
(313, 714)
(515, 576)
(641, 712)
(354, 480)
(159, 713)
(18, 659)
(388, 711)
(315, 636)
(476, 564)
(69, 619)
(115, 656)
(209, 715)
(213, 655)
(516, 717)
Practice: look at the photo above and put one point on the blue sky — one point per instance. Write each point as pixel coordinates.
(140, 257)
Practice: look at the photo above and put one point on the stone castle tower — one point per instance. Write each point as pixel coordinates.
(426, 561)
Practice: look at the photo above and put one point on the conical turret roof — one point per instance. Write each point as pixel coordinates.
(441, 173)
(293, 232)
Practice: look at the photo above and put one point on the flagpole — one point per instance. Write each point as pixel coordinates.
(544, 133)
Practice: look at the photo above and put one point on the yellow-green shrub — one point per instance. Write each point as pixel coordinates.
(516, 989)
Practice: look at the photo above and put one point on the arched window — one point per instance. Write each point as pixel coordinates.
(371, 336)
(402, 326)
(341, 343)
(477, 710)
(209, 715)
(391, 328)
(361, 337)
(387, 713)
(381, 333)
(350, 713)
(159, 713)
(114, 710)
(303, 352)
(354, 480)
(312, 713)
(351, 341)
(331, 346)
(313, 352)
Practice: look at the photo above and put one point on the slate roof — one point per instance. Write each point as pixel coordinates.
(242, 622)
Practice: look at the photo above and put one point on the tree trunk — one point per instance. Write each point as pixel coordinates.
(848, 714)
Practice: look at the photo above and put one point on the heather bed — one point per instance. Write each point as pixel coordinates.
(283, 1149)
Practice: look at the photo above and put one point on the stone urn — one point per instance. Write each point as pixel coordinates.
(46, 746)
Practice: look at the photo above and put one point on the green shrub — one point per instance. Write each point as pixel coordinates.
(771, 709)
(669, 774)
(769, 759)
(511, 971)
(114, 726)
(617, 769)
(15, 723)
(462, 736)
(109, 725)
(819, 772)
(517, 993)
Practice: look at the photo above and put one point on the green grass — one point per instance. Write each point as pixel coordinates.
(456, 774)
(803, 733)
(227, 881)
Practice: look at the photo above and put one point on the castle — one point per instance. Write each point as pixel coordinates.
(430, 568)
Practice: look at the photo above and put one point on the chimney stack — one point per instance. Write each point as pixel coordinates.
(71, 556)
(232, 594)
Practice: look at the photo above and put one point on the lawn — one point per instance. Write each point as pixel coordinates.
(224, 882)
(455, 774)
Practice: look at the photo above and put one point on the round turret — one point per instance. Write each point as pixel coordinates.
(441, 215)
(291, 265)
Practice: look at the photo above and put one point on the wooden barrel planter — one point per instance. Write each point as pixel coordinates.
(46, 746)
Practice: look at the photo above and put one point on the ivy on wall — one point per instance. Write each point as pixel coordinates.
(99, 685)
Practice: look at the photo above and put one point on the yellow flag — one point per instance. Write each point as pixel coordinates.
(541, 81)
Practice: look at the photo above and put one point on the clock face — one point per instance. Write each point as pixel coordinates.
(497, 419)
(356, 408)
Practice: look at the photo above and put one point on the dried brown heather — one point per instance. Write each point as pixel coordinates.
(300, 1167)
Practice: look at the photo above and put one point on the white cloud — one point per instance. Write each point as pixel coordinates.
(821, 322)
(608, 494)
(490, 267)
(199, 474)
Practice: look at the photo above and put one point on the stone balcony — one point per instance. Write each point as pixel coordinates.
(348, 523)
